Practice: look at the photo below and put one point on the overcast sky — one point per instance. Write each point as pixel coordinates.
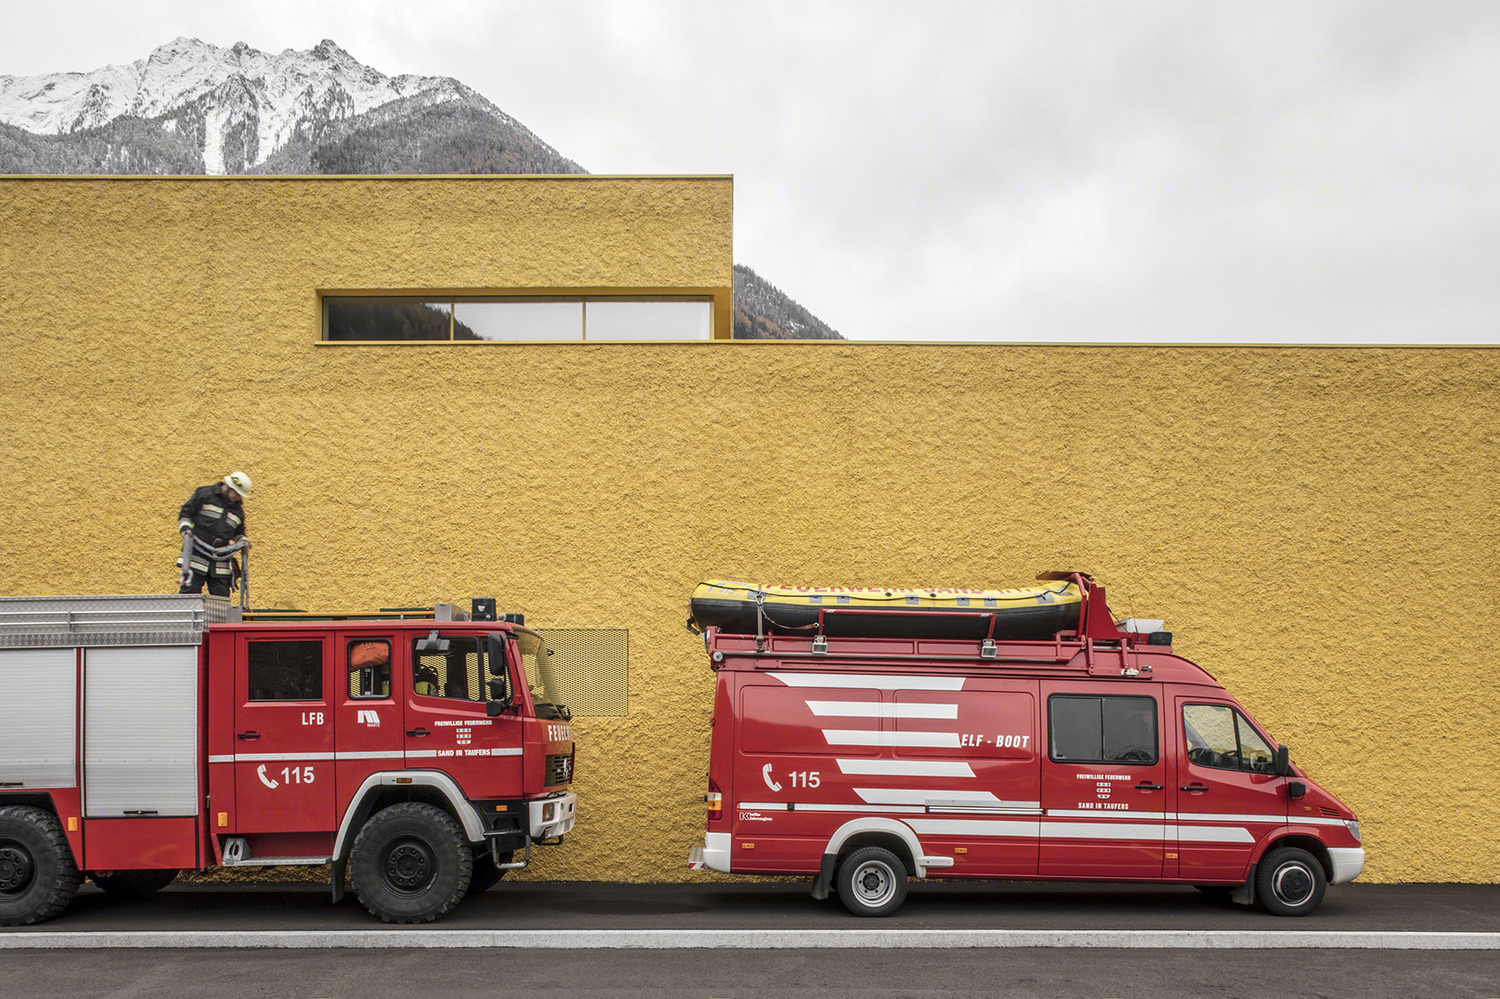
(1261, 172)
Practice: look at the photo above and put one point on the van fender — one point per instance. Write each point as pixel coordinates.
(859, 827)
(362, 804)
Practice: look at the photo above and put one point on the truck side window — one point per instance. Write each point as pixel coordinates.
(1220, 737)
(285, 671)
(454, 673)
(369, 668)
(1109, 729)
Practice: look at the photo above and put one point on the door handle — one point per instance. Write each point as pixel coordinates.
(417, 731)
(1144, 786)
(1195, 787)
(247, 735)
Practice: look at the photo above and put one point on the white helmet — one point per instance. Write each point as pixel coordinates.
(239, 482)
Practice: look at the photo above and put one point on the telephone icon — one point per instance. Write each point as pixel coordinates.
(765, 772)
(261, 773)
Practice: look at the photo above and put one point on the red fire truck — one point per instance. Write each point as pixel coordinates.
(422, 753)
(864, 737)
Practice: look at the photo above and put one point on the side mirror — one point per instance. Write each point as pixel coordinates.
(1282, 767)
(1296, 788)
(501, 697)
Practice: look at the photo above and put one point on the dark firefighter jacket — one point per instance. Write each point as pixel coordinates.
(212, 518)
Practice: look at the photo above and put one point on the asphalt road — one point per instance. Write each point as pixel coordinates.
(740, 911)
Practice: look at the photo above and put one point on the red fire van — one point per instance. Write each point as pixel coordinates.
(865, 737)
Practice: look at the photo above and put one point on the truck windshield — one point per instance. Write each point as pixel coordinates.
(540, 677)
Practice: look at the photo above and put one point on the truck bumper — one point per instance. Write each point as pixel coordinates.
(1347, 863)
(551, 817)
(713, 854)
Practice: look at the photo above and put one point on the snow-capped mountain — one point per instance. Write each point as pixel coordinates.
(236, 106)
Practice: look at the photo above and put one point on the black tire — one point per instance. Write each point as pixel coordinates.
(133, 884)
(411, 863)
(1289, 882)
(871, 881)
(486, 874)
(38, 877)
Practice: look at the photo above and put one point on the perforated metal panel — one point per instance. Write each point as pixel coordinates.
(590, 668)
(140, 731)
(38, 717)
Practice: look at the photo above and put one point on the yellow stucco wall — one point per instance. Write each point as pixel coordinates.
(1318, 526)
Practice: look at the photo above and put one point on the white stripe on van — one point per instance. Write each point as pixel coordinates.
(870, 737)
(870, 681)
(906, 768)
(870, 709)
(919, 796)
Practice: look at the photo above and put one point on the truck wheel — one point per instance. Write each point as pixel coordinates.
(133, 883)
(872, 881)
(38, 877)
(1289, 882)
(411, 863)
(486, 874)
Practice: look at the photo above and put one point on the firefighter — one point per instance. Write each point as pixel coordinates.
(215, 517)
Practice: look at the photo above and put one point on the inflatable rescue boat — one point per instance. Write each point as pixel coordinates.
(1032, 613)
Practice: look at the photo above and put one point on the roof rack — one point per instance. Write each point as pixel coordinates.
(435, 612)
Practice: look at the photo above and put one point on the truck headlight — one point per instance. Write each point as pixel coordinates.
(549, 812)
(1353, 826)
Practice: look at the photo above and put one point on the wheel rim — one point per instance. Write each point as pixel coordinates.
(1293, 883)
(17, 869)
(410, 866)
(874, 884)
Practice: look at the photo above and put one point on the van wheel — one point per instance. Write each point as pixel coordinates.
(38, 877)
(872, 881)
(411, 863)
(1289, 882)
(133, 883)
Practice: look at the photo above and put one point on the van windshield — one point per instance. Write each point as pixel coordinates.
(540, 676)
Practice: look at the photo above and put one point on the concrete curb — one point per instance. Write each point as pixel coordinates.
(750, 939)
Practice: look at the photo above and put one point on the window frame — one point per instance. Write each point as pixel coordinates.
(1156, 747)
(583, 300)
(252, 644)
(1239, 718)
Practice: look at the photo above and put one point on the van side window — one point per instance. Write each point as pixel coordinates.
(1109, 729)
(1219, 736)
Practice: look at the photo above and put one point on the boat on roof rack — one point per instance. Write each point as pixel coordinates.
(1057, 604)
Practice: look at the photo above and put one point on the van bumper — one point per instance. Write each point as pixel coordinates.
(1347, 863)
(713, 854)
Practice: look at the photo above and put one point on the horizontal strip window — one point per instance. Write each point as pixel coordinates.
(432, 318)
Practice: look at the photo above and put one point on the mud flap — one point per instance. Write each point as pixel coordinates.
(1245, 893)
(337, 879)
(825, 877)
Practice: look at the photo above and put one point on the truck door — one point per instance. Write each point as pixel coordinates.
(368, 716)
(1105, 781)
(283, 754)
(447, 727)
(1229, 797)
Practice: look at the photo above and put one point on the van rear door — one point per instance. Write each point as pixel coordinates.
(1105, 781)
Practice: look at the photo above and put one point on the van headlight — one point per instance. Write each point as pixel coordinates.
(1353, 826)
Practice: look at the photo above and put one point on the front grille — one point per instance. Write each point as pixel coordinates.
(559, 769)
